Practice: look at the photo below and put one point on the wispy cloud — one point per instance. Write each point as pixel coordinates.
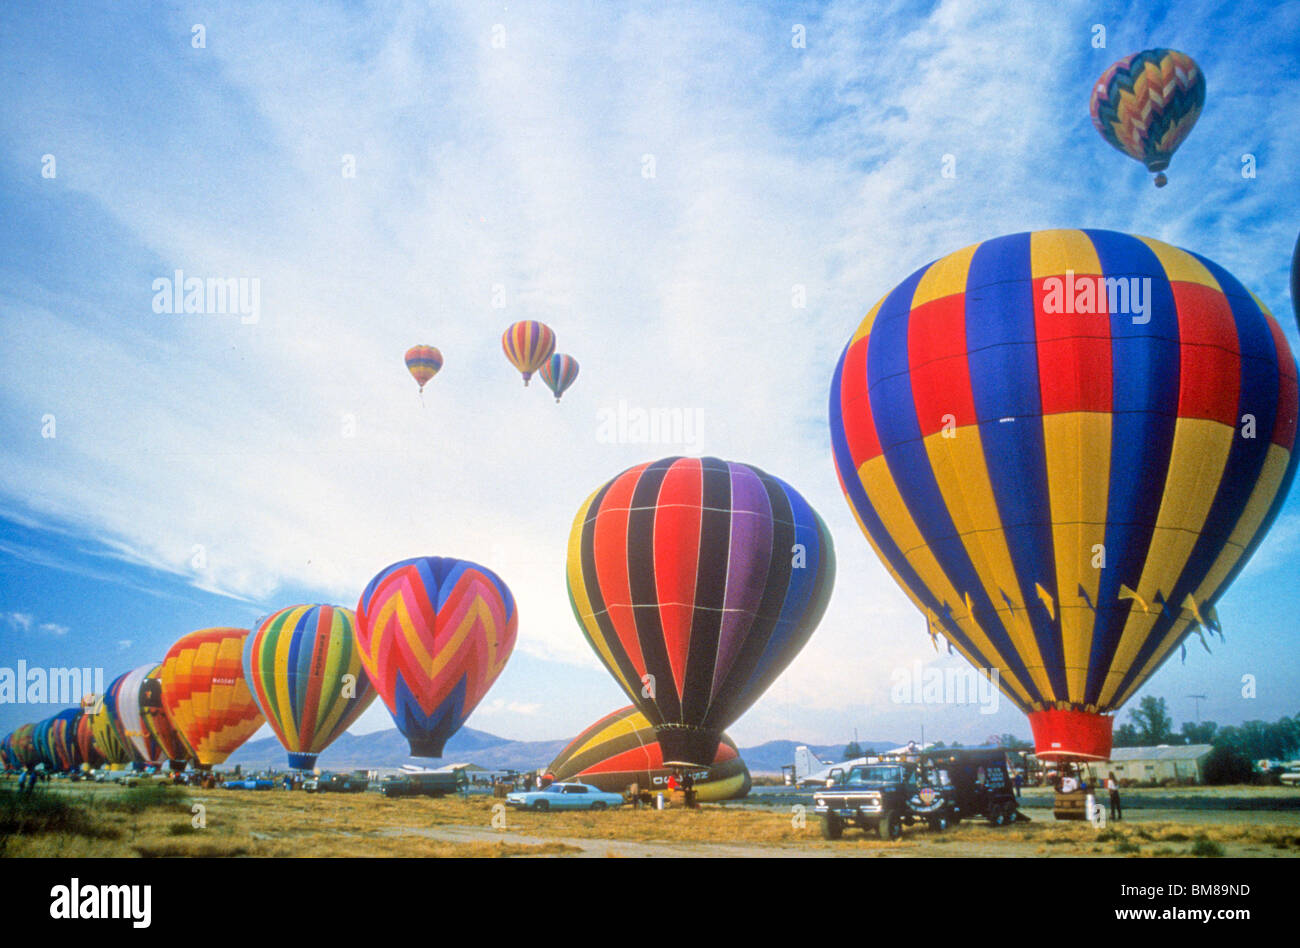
(293, 453)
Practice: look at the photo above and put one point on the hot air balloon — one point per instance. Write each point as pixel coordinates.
(107, 736)
(423, 362)
(303, 666)
(558, 372)
(1147, 103)
(435, 633)
(135, 707)
(205, 695)
(6, 759)
(696, 581)
(528, 344)
(1064, 445)
(22, 745)
(63, 739)
(41, 741)
(87, 750)
(621, 749)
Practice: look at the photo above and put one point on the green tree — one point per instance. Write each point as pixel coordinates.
(1011, 742)
(1126, 735)
(853, 751)
(1153, 723)
(1202, 733)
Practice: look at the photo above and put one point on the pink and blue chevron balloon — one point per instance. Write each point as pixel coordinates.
(434, 634)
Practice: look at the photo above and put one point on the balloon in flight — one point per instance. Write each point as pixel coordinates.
(528, 345)
(1064, 445)
(1146, 104)
(423, 362)
(303, 665)
(559, 372)
(435, 633)
(696, 581)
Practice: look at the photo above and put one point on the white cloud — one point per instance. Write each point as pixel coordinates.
(52, 628)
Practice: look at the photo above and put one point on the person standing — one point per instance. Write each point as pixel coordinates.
(1116, 812)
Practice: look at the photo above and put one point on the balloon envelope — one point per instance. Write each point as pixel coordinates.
(135, 701)
(22, 745)
(696, 581)
(1147, 103)
(303, 665)
(206, 696)
(106, 732)
(1051, 464)
(423, 362)
(621, 749)
(559, 372)
(435, 633)
(87, 750)
(528, 344)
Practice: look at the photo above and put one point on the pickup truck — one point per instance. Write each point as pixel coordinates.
(870, 796)
(425, 783)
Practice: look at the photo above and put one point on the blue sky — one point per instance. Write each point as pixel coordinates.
(293, 452)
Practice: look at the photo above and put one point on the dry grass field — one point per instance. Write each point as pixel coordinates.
(81, 820)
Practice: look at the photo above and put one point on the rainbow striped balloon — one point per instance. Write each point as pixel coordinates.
(303, 665)
(423, 362)
(1064, 445)
(22, 746)
(528, 345)
(435, 634)
(1147, 103)
(206, 696)
(559, 372)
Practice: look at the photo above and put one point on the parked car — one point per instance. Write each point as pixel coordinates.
(249, 784)
(336, 783)
(564, 796)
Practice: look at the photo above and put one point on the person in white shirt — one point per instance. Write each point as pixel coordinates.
(1069, 784)
(1116, 812)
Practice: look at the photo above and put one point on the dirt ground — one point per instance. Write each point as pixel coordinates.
(98, 820)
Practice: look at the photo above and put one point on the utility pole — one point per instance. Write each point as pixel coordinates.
(1198, 699)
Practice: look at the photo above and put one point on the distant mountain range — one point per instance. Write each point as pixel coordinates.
(385, 749)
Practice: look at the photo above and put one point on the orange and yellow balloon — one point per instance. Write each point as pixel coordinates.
(206, 696)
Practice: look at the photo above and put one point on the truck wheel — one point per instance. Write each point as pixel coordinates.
(998, 816)
(938, 824)
(832, 826)
(890, 826)
(540, 805)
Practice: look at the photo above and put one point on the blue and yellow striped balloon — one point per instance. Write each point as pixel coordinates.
(1064, 445)
(303, 666)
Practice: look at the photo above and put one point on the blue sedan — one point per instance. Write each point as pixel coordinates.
(564, 796)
